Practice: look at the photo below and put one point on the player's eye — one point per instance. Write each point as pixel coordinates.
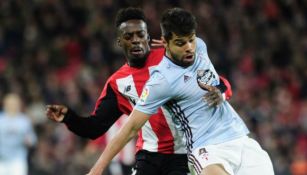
(179, 43)
(127, 36)
(141, 34)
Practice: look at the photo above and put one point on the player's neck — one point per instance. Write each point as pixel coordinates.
(169, 55)
(137, 63)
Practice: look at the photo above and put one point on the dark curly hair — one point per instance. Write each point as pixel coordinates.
(178, 21)
(129, 13)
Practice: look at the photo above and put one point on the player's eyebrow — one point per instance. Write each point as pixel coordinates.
(138, 31)
(180, 39)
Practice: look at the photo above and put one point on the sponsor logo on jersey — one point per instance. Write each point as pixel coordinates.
(206, 77)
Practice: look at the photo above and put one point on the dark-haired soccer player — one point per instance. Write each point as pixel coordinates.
(216, 138)
(160, 150)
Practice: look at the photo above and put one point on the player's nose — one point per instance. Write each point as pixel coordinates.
(189, 47)
(135, 39)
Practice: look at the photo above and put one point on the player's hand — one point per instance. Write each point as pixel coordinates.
(157, 43)
(56, 112)
(213, 97)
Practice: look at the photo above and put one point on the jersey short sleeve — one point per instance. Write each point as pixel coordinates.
(155, 93)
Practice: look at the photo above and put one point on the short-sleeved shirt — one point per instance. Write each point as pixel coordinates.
(14, 131)
(176, 89)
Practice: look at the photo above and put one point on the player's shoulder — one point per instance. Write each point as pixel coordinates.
(165, 71)
(1, 116)
(159, 82)
(200, 43)
(123, 71)
(155, 56)
(157, 51)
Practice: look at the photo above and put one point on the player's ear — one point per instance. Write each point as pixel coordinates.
(118, 42)
(148, 37)
(164, 42)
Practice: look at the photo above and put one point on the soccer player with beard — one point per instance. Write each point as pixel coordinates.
(160, 148)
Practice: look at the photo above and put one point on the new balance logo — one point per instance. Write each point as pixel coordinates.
(128, 88)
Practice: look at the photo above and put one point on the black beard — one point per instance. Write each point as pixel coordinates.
(174, 59)
(138, 62)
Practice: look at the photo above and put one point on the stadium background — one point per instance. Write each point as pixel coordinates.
(62, 51)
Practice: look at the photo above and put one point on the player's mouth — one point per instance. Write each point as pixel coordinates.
(189, 57)
(136, 51)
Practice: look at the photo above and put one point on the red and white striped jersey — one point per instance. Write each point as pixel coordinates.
(159, 133)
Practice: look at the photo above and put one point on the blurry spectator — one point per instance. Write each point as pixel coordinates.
(16, 137)
(299, 166)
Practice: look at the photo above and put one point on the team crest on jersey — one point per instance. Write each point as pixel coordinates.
(144, 95)
(203, 153)
(205, 76)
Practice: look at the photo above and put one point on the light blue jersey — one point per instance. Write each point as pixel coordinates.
(14, 133)
(176, 89)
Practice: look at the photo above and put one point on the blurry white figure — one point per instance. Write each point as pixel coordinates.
(16, 137)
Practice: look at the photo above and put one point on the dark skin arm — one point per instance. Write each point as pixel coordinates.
(92, 126)
(214, 97)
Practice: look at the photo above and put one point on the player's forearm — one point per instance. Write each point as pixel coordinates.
(103, 117)
(88, 127)
(114, 146)
(136, 120)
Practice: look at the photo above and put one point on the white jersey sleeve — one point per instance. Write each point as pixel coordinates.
(155, 93)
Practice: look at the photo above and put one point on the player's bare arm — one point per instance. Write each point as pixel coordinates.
(136, 120)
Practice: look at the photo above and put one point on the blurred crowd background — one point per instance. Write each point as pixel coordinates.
(62, 51)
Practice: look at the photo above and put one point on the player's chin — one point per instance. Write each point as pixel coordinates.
(137, 56)
(187, 62)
